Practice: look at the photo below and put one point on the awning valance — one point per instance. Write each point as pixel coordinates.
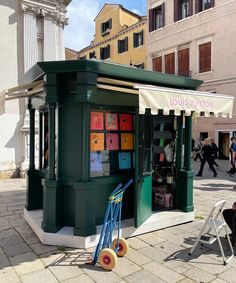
(21, 91)
(177, 100)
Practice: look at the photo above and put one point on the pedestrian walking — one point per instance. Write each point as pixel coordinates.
(215, 152)
(207, 156)
(233, 156)
(198, 150)
(232, 161)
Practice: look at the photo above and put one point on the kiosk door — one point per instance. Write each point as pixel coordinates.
(143, 190)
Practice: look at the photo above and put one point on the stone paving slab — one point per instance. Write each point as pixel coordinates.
(161, 256)
(17, 249)
(39, 276)
(143, 276)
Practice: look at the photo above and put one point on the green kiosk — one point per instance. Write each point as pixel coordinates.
(101, 124)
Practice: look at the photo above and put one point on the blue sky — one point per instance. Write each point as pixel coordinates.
(81, 14)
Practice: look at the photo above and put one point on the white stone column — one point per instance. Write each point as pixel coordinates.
(30, 41)
(49, 39)
(61, 42)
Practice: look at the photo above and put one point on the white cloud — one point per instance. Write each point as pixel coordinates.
(136, 11)
(81, 28)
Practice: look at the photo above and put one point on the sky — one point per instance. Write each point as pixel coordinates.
(81, 14)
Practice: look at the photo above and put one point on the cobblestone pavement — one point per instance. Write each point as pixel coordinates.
(160, 256)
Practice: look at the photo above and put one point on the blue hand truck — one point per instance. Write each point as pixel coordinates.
(107, 250)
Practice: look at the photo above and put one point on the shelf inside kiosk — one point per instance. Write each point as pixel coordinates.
(163, 163)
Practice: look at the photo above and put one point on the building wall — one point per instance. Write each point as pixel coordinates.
(215, 25)
(124, 25)
(18, 52)
(11, 72)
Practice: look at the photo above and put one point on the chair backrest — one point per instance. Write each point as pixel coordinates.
(216, 210)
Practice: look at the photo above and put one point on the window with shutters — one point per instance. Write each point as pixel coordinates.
(138, 39)
(157, 17)
(82, 57)
(183, 62)
(157, 64)
(205, 57)
(105, 52)
(106, 26)
(170, 63)
(202, 5)
(123, 45)
(92, 55)
(182, 9)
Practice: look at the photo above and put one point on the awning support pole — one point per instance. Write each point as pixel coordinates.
(32, 137)
(188, 143)
(51, 156)
(179, 142)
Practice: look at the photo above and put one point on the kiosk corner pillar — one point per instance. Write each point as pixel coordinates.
(184, 180)
(184, 191)
(34, 191)
(52, 206)
(85, 209)
(84, 190)
(52, 191)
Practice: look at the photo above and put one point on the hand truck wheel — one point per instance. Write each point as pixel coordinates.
(123, 246)
(107, 259)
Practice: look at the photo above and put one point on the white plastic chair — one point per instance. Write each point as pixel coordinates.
(215, 222)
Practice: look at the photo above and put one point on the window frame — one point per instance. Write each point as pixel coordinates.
(161, 63)
(103, 50)
(92, 54)
(177, 10)
(209, 69)
(138, 39)
(166, 55)
(186, 73)
(106, 27)
(158, 10)
(123, 45)
(199, 5)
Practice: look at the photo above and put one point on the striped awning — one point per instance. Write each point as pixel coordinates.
(189, 101)
(21, 91)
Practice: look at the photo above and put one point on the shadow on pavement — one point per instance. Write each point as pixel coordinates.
(216, 187)
(214, 249)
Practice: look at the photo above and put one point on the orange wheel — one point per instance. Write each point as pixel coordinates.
(107, 259)
(123, 246)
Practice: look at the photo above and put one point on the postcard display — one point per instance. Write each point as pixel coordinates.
(111, 143)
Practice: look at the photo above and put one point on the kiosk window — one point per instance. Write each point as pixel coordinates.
(111, 143)
(145, 128)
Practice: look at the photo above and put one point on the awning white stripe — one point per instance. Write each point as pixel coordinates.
(166, 99)
(21, 91)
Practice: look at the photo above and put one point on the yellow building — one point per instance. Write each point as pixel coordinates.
(120, 37)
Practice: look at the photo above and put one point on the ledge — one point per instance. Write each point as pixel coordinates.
(64, 237)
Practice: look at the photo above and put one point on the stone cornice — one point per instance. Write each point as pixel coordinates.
(56, 15)
(120, 33)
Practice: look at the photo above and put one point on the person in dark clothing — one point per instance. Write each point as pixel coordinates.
(198, 150)
(228, 215)
(215, 151)
(232, 169)
(207, 156)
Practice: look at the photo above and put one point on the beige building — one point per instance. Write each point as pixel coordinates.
(197, 38)
(71, 54)
(120, 37)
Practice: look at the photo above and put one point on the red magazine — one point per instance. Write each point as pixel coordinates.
(97, 121)
(126, 122)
